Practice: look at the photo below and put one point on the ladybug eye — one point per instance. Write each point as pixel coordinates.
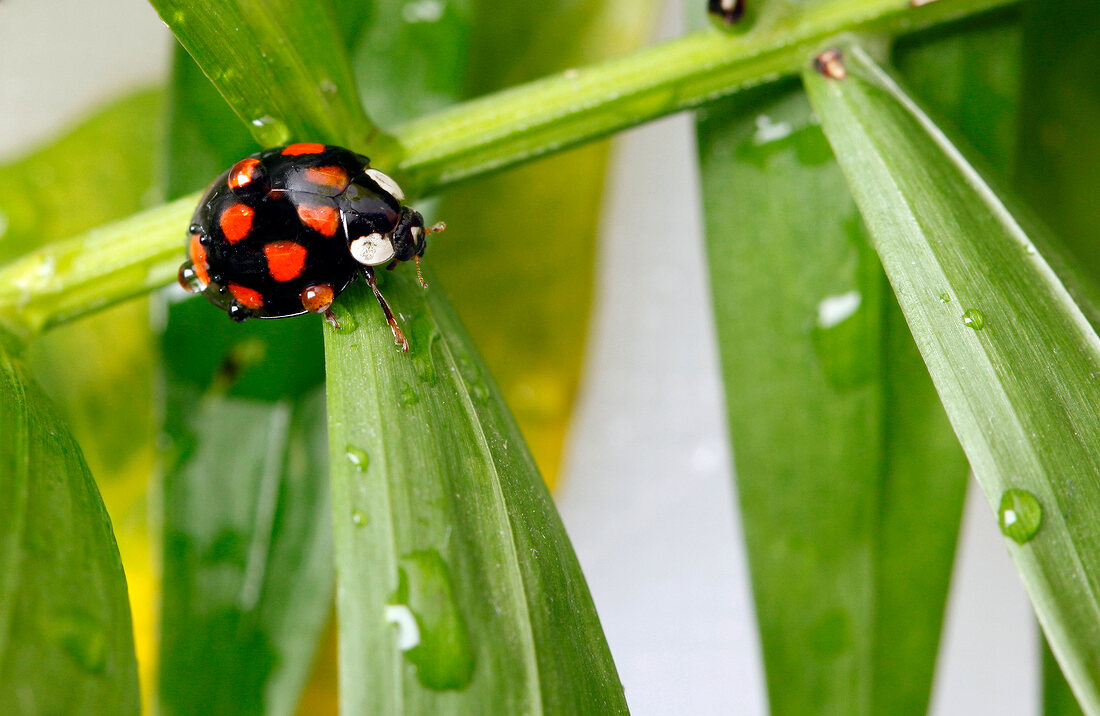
(247, 176)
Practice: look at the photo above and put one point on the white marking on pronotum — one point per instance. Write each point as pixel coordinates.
(372, 249)
(408, 632)
(386, 183)
(416, 231)
(835, 309)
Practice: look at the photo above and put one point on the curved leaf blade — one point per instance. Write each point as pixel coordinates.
(821, 362)
(1013, 356)
(444, 527)
(66, 640)
(280, 64)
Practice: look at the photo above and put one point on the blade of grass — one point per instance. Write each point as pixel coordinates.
(458, 591)
(247, 524)
(66, 642)
(477, 137)
(1058, 699)
(101, 169)
(816, 357)
(247, 554)
(280, 64)
(1013, 357)
(1058, 112)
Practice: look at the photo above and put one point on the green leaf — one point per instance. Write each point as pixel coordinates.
(247, 554)
(833, 420)
(97, 172)
(1013, 357)
(102, 169)
(969, 76)
(247, 581)
(66, 642)
(1058, 699)
(457, 589)
(1056, 171)
(280, 64)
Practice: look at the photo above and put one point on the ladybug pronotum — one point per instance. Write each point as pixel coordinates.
(284, 231)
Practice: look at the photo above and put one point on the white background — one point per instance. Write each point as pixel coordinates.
(646, 493)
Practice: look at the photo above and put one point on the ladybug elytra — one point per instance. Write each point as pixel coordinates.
(284, 231)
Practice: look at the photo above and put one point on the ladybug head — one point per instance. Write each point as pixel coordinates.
(404, 242)
(409, 237)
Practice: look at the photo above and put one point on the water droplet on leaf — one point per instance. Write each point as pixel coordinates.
(973, 318)
(1019, 515)
(358, 518)
(81, 636)
(441, 650)
(358, 458)
(945, 297)
(269, 131)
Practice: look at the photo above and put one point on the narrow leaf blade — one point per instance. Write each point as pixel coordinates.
(280, 64)
(66, 641)
(816, 359)
(1058, 112)
(444, 528)
(1013, 357)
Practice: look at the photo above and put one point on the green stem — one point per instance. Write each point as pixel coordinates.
(74, 277)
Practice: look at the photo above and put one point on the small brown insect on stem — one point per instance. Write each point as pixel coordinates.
(831, 64)
(726, 11)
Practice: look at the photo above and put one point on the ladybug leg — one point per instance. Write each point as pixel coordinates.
(398, 336)
(419, 276)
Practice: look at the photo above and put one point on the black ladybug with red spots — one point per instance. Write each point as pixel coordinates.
(285, 230)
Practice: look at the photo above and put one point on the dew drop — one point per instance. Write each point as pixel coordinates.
(834, 310)
(1019, 515)
(422, 11)
(358, 517)
(188, 279)
(81, 636)
(973, 318)
(424, 606)
(945, 297)
(269, 131)
(358, 458)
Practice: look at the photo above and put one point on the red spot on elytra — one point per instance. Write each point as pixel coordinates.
(317, 299)
(243, 172)
(285, 260)
(197, 252)
(246, 296)
(303, 148)
(236, 222)
(322, 219)
(328, 176)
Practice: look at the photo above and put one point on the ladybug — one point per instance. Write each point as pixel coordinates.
(284, 231)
